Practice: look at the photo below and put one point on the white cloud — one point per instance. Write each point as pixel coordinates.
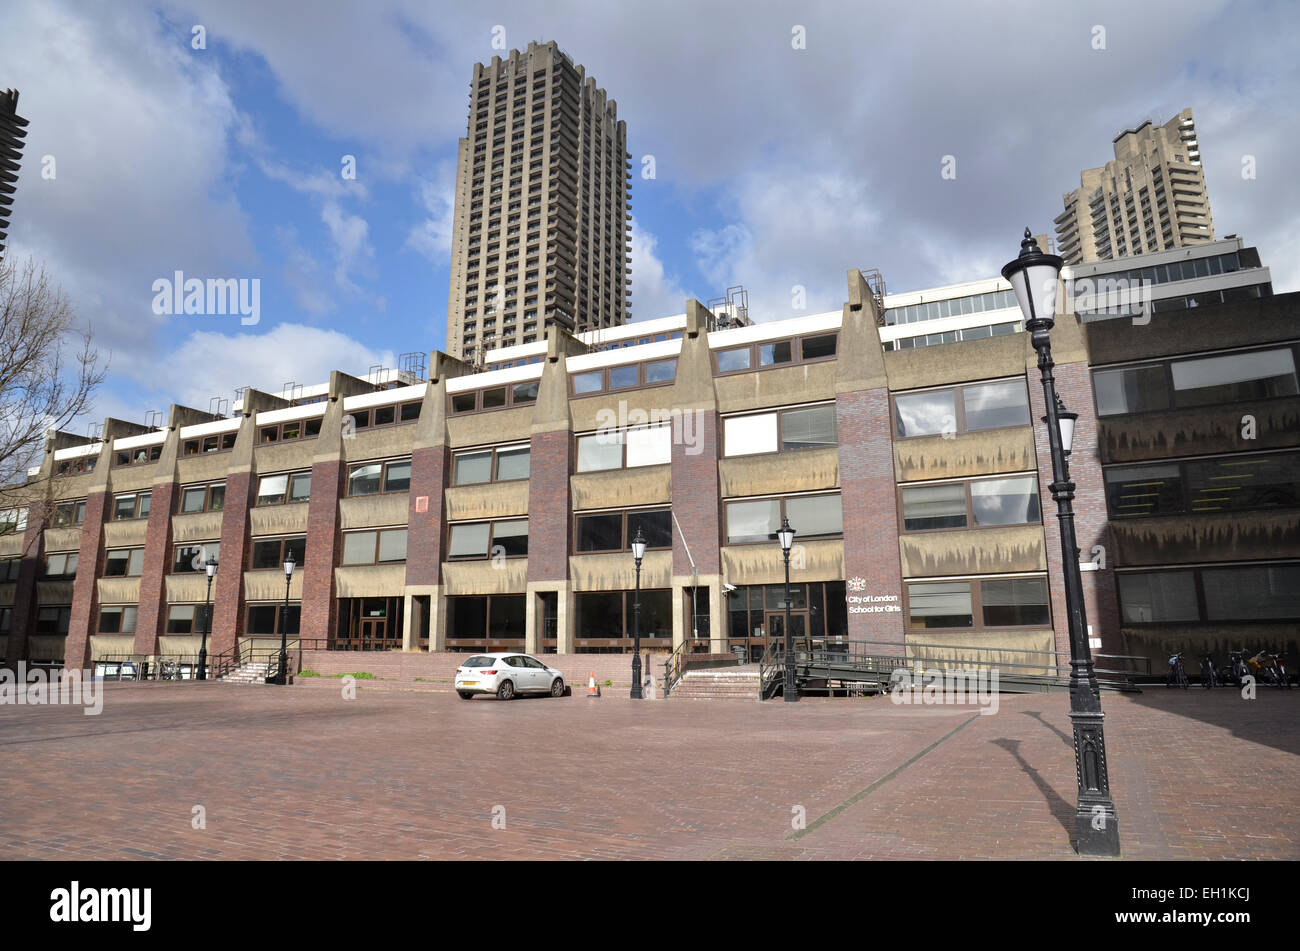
(654, 293)
(351, 247)
(432, 236)
(211, 363)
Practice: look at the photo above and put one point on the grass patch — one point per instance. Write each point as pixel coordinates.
(356, 675)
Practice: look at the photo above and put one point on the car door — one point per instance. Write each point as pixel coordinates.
(541, 676)
(521, 674)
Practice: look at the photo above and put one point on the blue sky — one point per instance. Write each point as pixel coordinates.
(776, 165)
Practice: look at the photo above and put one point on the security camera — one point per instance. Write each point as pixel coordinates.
(728, 587)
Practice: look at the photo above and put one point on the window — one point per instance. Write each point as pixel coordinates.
(78, 466)
(383, 415)
(287, 432)
(135, 505)
(117, 619)
(53, 619)
(1005, 501)
(770, 354)
(490, 465)
(1153, 597)
(928, 507)
(989, 604)
(273, 552)
(1242, 483)
(757, 520)
(9, 569)
(962, 409)
(808, 427)
(818, 348)
(629, 448)
(1200, 381)
(623, 377)
(606, 616)
(1214, 594)
(505, 537)
(203, 498)
(124, 563)
(614, 531)
(285, 488)
(135, 457)
(373, 478)
(272, 618)
(499, 616)
(374, 548)
(195, 557)
(68, 514)
(734, 361)
(494, 397)
(13, 520)
(61, 566)
(222, 442)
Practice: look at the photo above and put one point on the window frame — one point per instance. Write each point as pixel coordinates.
(130, 553)
(290, 477)
(371, 411)
(494, 465)
(78, 516)
(207, 497)
(958, 392)
(64, 575)
(204, 553)
(1166, 365)
(783, 499)
(283, 540)
(622, 441)
(384, 465)
(627, 541)
(279, 429)
(152, 454)
(280, 609)
(198, 442)
(606, 377)
(966, 484)
(509, 403)
(976, 583)
(780, 413)
(1198, 587)
(137, 496)
(377, 532)
(492, 534)
(797, 357)
(121, 610)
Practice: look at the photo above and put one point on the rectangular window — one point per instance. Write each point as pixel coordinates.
(996, 405)
(505, 537)
(1005, 501)
(135, 505)
(1133, 390)
(69, 514)
(223, 442)
(755, 521)
(815, 516)
(649, 446)
(61, 566)
(203, 498)
(9, 569)
(1133, 491)
(469, 541)
(1155, 597)
(818, 348)
(393, 476)
(771, 354)
(269, 553)
(661, 371)
(928, 507)
(942, 604)
(750, 435)
(472, 468)
(13, 521)
(272, 490)
(733, 361)
(269, 619)
(135, 457)
(981, 406)
(1252, 593)
(1015, 602)
(811, 427)
(1239, 483)
(614, 531)
(1234, 377)
(589, 382)
(195, 557)
(117, 619)
(925, 414)
(53, 619)
(124, 562)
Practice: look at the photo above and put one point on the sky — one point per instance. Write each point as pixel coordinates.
(790, 142)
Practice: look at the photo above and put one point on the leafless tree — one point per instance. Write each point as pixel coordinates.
(49, 369)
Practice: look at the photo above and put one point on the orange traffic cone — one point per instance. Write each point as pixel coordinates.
(592, 689)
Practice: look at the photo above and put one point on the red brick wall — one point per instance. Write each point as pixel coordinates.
(867, 489)
(152, 617)
(22, 621)
(441, 666)
(1074, 384)
(318, 604)
(424, 542)
(228, 588)
(85, 594)
(695, 498)
(548, 507)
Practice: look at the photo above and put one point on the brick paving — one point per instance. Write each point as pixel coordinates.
(299, 773)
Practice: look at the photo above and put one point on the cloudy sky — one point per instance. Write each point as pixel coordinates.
(774, 165)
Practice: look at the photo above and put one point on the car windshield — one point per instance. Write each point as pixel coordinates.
(481, 661)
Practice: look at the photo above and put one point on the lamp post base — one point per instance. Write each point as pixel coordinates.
(1096, 830)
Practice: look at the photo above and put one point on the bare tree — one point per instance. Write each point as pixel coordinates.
(49, 369)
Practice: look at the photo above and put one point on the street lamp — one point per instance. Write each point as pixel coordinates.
(211, 569)
(281, 676)
(1033, 276)
(785, 534)
(638, 552)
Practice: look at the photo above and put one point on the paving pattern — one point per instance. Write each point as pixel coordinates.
(302, 773)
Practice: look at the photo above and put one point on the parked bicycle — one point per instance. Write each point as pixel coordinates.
(1209, 676)
(1236, 670)
(1270, 669)
(1177, 674)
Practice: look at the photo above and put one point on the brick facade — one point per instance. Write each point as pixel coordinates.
(319, 606)
(228, 588)
(548, 507)
(695, 498)
(85, 592)
(151, 619)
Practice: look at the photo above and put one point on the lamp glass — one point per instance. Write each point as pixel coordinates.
(211, 567)
(288, 566)
(1066, 421)
(638, 546)
(785, 535)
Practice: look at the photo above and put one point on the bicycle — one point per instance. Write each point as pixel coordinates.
(1209, 676)
(1177, 674)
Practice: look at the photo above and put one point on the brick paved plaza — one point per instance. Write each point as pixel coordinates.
(301, 773)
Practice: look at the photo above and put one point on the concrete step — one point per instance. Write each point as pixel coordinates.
(717, 685)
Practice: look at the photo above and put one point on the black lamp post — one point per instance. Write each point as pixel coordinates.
(785, 534)
(638, 552)
(1033, 276)
(211, 569)
(281, 676)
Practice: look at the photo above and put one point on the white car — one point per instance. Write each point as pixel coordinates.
(507, 674)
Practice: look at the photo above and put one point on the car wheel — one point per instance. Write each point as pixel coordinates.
(506, 691)
(557, 687)
(466, 694)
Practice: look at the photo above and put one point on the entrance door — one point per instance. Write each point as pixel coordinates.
(775, 628)
(373, 629)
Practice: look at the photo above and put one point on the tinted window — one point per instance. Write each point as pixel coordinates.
(994, 405)
(656, 528)
(472, 467)
(934, 506)
(600, 532)
(925, 414)
(729, 360)
(1005, 501)
(817, 347)
(1015, 602)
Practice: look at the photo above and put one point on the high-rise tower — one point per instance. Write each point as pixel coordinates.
(543, 210)
(13, 129)
(1151, 197)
